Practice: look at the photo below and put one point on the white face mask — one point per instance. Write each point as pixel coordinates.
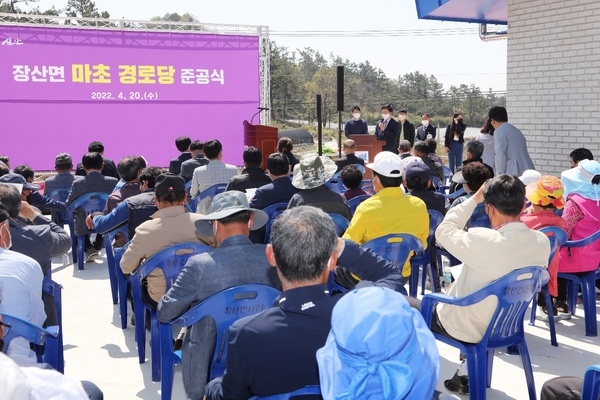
(402, 117)
(356, 115)
(385, 116)
(425, 122)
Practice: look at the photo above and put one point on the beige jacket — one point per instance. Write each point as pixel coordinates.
(487, 254)
(169, 226)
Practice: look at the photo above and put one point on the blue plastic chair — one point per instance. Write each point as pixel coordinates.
(273, 211)
(335, 183)
(224, 308)
(557, 238)
(588, 288)
(514, 292)
(305, 391)
(60, 194)
(591, 383)
(396, 248)
(171, 260)
(422, 259)
(447, 175)
(479, 218)
(90, 202)
(55, 290)
(211, 192)
(367, 186)
(111, 263)
(341, 223)
(45, 341)
(355, 201)
(123, 284)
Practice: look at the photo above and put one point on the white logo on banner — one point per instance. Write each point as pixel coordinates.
(12, 42)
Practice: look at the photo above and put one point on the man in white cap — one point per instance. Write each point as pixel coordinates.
(389, 210)
(236, 261)
(310, 176)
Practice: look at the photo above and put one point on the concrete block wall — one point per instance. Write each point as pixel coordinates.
(553, 78)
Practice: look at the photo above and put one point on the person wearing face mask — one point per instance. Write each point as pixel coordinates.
(388, 129)
(426, 130)
(355, 125)
(407, 129)
(453, 141)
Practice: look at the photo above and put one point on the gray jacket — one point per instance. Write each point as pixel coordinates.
(511, 151)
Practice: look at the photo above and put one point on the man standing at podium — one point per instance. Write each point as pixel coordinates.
(356, 125)
(388, 129)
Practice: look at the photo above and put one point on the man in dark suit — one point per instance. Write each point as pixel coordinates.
(94, 182)
(252, 175)
(349, 157)
(426, 129)
(183, 145)
(197, 160)
(280, 190)
(274, 352)
(407, 129)
(388, 129)
(109, 168)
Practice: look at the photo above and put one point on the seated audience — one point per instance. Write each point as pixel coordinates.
(26, 172)
(172, 224)
(197, 160)
(133, 210)
(486, 254)
(432, 151)
(30, 194)
(580, 154)
(472, 176)
(545, 196)
(280, 190)
(211, 174)
(421, 149)
(389, 210)
(6, 161)
(63, 164)
(252, 175)
(562, 388)
(129, 169)
(582, 219)
(475, 150)
(39, 381)
(274, 351)
(236, 261)
(4, 169)
(417, 181)
(310, 176)
(183, 145)
(378, 348)
(108, 169)
(20, 290)
(285, 147)
(530, 176)
(349, 156)
(352, 178)
(405, 149)
(94, 181)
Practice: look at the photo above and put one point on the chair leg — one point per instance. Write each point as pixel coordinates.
(476, 366)
(140, 328)
(413, 281)
(490, 367)
(551, 323)
(572, 296)
(167, 362)
(80, 252)
(588, 289)
(527, 368)
(123, 303)
(533, 310)
(155, 349)
(112, 274)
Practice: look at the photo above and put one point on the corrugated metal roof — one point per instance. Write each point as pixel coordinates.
(476, 11)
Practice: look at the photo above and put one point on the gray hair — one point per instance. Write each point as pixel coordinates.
(475, 147)
(11, 198)
(303, 239)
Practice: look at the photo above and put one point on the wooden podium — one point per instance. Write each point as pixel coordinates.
(369, 144)
(261, 136)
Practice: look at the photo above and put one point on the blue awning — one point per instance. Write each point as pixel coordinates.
(477, 11)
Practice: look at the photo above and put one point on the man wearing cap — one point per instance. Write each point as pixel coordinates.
(349, 156)
(30, 194)
(417, 181)
(274, 351)
(310, 176)
(389, 210)
(236, 261)
(94, 181)
(172, 224)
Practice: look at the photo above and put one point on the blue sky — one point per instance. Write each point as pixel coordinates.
(452, 58)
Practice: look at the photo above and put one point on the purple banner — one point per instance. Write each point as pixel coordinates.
(134, 91)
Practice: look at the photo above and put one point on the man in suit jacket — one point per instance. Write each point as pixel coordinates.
(274, 352)
(349, 157)
(426, 129)
(197, 160)
(236, 261)
(109, 168)
(509, 144)
(94, 182)
(183, 145)
(388, 129)
(280, 190)
(407, 129)
(63, 164)
(252, 175)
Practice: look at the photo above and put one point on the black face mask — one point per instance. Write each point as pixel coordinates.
(460, 121)
(1, 344)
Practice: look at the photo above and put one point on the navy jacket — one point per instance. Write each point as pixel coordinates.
(390, 135)
(348, 160)
(250, 178)
(280, 190)
(175, 164)
(109, 169)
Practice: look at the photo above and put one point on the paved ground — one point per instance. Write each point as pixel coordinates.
(97, 349)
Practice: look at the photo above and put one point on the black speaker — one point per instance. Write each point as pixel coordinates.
(340, 88)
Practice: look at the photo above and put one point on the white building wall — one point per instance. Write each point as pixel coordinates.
(553, 79)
